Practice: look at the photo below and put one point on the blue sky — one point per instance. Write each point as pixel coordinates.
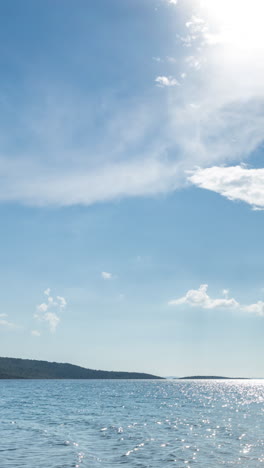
(132, 185)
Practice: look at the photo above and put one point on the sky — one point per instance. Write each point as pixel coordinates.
(132, 184)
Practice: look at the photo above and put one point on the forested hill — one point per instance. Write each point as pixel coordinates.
(12, 368)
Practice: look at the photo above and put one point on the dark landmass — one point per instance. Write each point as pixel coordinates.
(212, 377)
(12, 368)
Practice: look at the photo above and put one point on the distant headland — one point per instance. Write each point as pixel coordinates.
(14, 368)
(212, 377)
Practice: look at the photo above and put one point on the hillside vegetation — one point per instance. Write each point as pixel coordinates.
(12, 368)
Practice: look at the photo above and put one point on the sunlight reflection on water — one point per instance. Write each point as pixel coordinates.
(61, 424)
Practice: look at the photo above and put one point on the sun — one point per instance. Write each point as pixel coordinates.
(238, 23)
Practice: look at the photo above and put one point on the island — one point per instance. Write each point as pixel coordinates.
(15, 368)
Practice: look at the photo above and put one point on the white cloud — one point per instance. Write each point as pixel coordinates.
(42, 307)
(200, 298)
(166, 81)
(3, 315)
(53, 320)
(62, 302)
(257, 308)
(196, 24)
(35, 333)
(225, 292)
(106, 275)
(234, 183)
(45, 315)
(194, 62)
(172, 2)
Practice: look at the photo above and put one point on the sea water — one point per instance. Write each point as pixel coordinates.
(102, 423)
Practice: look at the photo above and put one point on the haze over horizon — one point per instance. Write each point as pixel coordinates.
(132, 185)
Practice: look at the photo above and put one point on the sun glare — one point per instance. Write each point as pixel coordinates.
(238, 23)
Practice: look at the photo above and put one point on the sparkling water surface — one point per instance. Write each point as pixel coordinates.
(101, 423)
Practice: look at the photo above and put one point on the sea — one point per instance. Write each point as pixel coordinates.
(133, 423)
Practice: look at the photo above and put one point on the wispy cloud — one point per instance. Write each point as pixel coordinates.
(200, 298)
(48, 311)
(138, 178)
(35, 333)
(6, 323)
(235, 183)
